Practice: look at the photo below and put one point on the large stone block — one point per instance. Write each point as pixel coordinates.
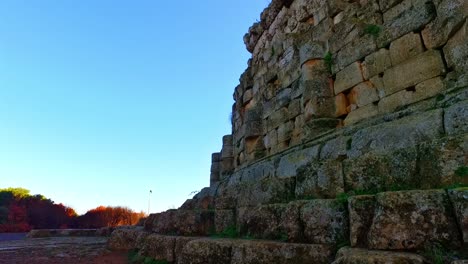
(405, 47)
(361, 212)
(413, 220)
(224, 219)
(159, 247)
(363, 256)
(450, 15)
(376, 63)
(387, 137)
(182, 222)
(289, 163)
(372, 172)
(456, 118)
(320, 179)
(363, 94)
(310, 50)
(274, 221)
(354, 51)
(277, 118)
(325, 221)
(285, 131)
(127, 239)
(423, 90)
(456, 50)
(319, 107)
(254, 252)
(206, 251)
(441, 160)
(405, 17)
(413, 71)
(361, 113)
(459, 198)
(348, 77)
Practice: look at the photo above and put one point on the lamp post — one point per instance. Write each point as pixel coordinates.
(149, 200)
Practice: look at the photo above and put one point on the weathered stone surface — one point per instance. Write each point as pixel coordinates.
(456, 118)
(182, 222)
(413, 71)
(224, 219)
(335, 147)
(316, 127)
(361, 212)
(348, 77)
(450, 15)
(311, 50)
(354, 51)
(459, 198)
(254, 186)
(289, 163)
(456, 50)
(376, 63)
(374, 172)
(363, 256)
(388, 136)
(206, 251)
(411, 219)
(159, 247)
(423, 90)
(254, 252)
(127, 239)
(274, 221)
(320, 179)
(405, 47)
(439, 161)
(341, 105)
(361, 113)
(406, 17)
(363, 94)
(325, 221)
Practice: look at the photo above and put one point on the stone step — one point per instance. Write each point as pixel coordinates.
(194, 250)
(385, 221)
(363, 256)
(182, 222)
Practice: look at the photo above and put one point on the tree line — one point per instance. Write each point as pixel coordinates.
(20, 212)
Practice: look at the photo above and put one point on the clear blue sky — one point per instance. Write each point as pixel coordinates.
(103, 100)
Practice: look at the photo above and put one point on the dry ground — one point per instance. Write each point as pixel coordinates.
(74, 250)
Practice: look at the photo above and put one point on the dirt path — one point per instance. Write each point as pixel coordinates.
(66, 250)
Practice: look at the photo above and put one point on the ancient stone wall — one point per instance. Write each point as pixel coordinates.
(318, 66)
(349, 142)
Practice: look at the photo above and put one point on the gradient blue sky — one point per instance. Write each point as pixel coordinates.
(103, 100)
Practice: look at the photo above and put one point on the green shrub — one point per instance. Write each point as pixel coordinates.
(328, 58)
(462, 171)
(372, 30)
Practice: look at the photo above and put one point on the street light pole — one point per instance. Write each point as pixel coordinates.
(149, 201)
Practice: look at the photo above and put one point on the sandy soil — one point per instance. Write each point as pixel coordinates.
(66, 250)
